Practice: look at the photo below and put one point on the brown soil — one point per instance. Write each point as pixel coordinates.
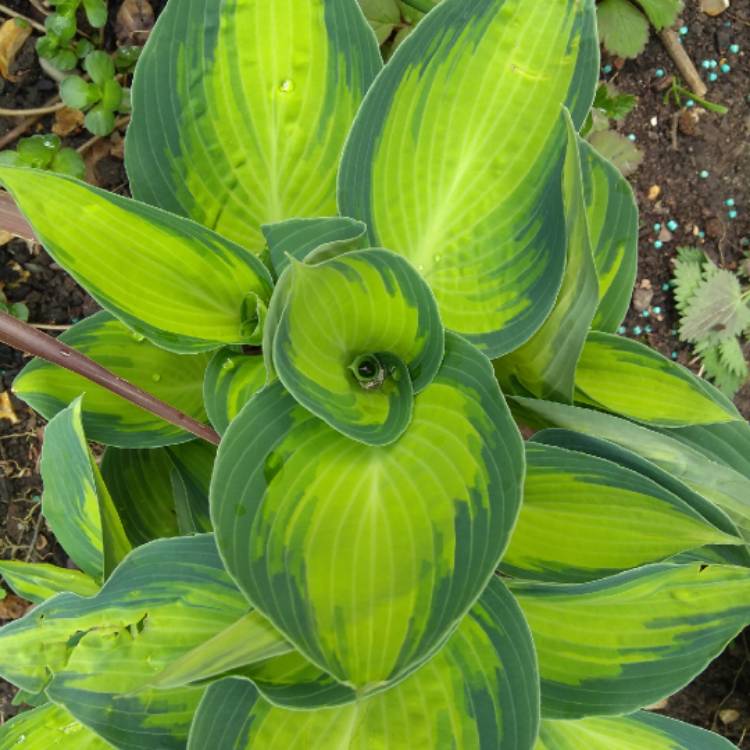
(676, 150)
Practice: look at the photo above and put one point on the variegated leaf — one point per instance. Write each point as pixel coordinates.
(39, 581)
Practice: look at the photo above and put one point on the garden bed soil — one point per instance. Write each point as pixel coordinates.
(677, 146)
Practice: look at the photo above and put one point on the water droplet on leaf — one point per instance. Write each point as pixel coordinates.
(286, 86)
(156, 377)
(228, 365)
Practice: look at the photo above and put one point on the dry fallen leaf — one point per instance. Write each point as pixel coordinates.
(13, 607)
(134, 21)
(117, 146)
(93, 156)
(12, 36)
(6, 408)
(67, 121)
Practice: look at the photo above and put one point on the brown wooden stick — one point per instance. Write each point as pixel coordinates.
(26, 338)
(671, 41)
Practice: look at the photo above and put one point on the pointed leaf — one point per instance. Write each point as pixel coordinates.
(177, 283)
(39, 581)
(479, 691)
(94, 655)
(306, 519)
(76, 504)
(546, 364)
(628, 378)
(721, 484)
(108, 418)
(48, 726)
(474, 200)
(193, 465)
(639, 731)
(372, 310)
(613, 645)
(247, 126)
(231, 379)
(584, 518)
(299, 237)
(613, 228)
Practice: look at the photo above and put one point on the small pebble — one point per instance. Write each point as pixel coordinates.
(704, 173)
(637, 330)
(607, 69)
(732, 214)
(734, 48)
(706, 64)
(672, 225)
(659, 73)
(657, 310)
(665, 286)
(674, 355)
(702, 234)
(745, 241)
(713, 77)
(683, 30)
(657, 226)
(729, 202)
(648, 329)
(622, 330)
(645, 313)
(726, 67)
(658, 244)
(631, 136)
(714, 64)
(689, 103)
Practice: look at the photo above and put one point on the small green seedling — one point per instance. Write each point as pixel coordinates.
(16, 309)
(99, 98)
(58, 45)
(44, 152)
(681, 97)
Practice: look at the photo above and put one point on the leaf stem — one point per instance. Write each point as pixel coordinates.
(26, 338)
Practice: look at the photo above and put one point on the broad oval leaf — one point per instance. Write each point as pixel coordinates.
(474, 200)
(95, 655)
(358, 336)
(76, 502)
(108, 418)
(720, 483)
(48, 726)
(625, 377)
(247, 126)
(306, 519)
(546, 364)
(179, 284)
(613, 228)
(479, 691)
(39, 581)
(231, 379)
(619, 643)
(640, 731)
(584, 518)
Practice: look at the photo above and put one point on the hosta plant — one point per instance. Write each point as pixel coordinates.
(366, 277)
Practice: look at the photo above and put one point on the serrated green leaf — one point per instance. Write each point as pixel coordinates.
(231, 379)
(618, 149)
(584, 518)
(108, 418)
(688, 274)
(661, 13)
(623, 29)
(308, 502)
(176, 282)
(716, 309)
(247, 63)
(612, 216)
(39, 581)
(75, 502)
(476, 220)
(630, 379)
(612, 102)
(480, 690)
(613, 645)
(48, 726)
(640, 731)
(371, 309)
(545, 365)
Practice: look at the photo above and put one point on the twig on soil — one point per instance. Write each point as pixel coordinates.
(35, 536)
(15, 14)
(26, 338)
(45, 110)
(22, 127)
(671, 42)
(50, 326)
(124, 120)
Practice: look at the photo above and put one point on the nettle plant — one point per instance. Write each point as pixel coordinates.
(340, 264)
